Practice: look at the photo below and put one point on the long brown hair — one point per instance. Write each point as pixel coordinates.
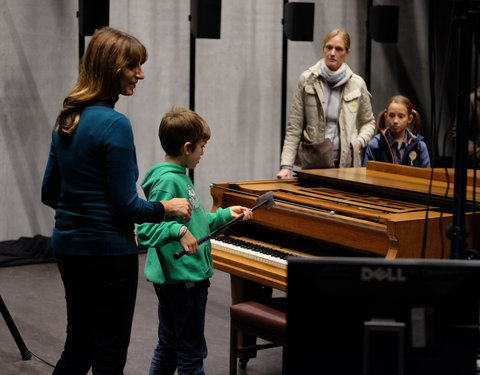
(108, 53)
(416, 123)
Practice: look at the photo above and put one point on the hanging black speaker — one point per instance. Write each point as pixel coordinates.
(92, 15)
(205, 16)
(383, 23)
(298, 22)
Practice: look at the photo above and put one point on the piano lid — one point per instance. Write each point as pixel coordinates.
(395, 181)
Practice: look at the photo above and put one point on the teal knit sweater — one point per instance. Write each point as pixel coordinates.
(90, 180)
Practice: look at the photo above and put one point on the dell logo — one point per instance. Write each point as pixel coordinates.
(382, 274)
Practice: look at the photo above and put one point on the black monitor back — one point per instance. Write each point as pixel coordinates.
(370, 316)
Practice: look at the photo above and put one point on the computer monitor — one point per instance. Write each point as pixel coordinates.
(370, 316)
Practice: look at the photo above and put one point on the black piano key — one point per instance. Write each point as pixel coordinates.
(250, 246)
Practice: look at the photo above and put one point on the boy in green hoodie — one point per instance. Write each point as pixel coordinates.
(181, 285)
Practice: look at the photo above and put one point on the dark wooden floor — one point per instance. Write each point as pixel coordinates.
(34, 297)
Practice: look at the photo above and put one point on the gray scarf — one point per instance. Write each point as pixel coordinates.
(334, 78)
(333, 89)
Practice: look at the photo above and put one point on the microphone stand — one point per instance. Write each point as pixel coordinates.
(368, 46)
(182, 252)
(458, 230)
(26, 354)
(283, 109)
(221, 228)
(191, 172)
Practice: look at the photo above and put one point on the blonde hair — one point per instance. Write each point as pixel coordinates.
(179, 126)
(416, 123)
(109, 52)
(342, 33)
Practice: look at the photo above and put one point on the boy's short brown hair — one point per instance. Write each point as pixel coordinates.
(179, 126)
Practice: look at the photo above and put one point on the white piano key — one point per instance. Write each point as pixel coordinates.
(250, 254)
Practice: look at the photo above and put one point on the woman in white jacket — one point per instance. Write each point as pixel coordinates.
(331, 118)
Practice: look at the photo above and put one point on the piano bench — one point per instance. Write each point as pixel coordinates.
(259, 320)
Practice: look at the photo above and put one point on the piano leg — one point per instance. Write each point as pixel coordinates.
(245, 290)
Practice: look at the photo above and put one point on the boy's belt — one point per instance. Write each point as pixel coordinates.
(190, 284)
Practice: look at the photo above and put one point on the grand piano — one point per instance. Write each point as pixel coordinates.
(382, 210)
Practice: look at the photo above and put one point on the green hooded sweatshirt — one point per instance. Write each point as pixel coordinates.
(163, 182)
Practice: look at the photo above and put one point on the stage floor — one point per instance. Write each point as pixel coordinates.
(34, 297)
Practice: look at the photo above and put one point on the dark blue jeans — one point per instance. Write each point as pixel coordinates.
(181, 340)
(100, 293)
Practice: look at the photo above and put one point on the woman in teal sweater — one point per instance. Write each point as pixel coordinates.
(90, 180)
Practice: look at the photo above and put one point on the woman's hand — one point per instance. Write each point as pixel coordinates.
(178, 207)
(236, 211)
(284, 173)
(188, 242)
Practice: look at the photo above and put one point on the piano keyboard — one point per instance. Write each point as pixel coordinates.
(252, 251)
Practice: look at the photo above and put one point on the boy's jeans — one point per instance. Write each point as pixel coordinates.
(181, 340)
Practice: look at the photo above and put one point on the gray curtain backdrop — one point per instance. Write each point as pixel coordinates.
(238, 84)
